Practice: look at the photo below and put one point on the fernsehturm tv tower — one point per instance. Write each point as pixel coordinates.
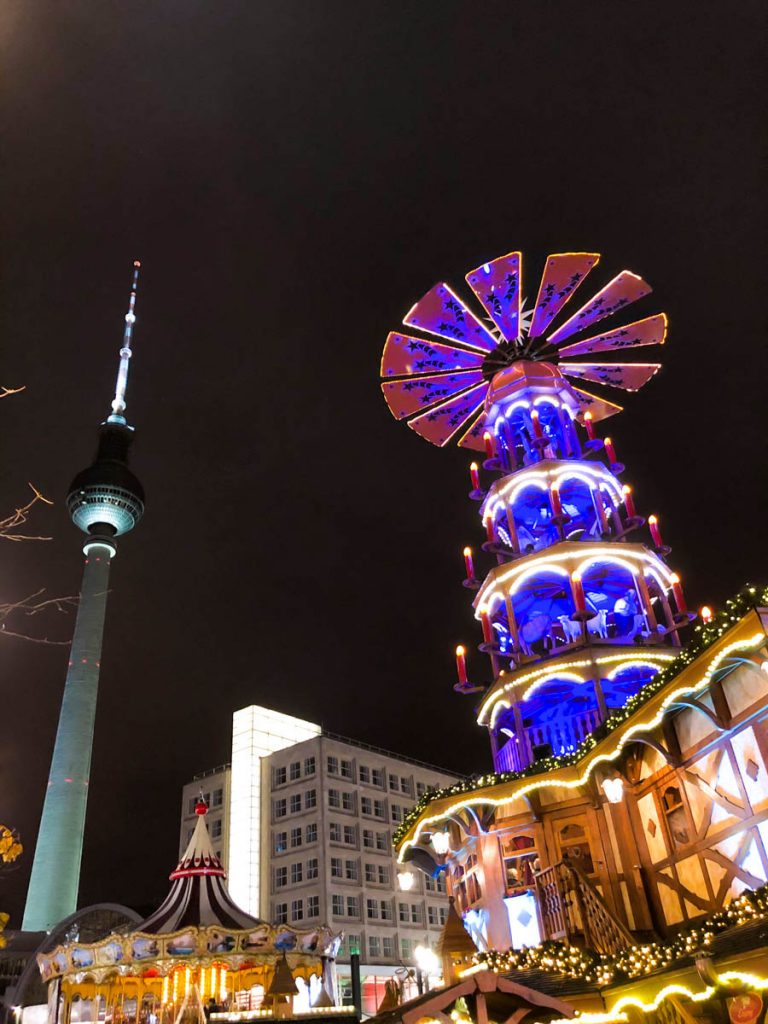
(104, 501)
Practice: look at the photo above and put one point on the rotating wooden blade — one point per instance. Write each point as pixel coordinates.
(438, 425)
(497, 286)
(624, 289)
(405, 397)
(628, 376)
(650, 331)
(404, 355)
(441, 312)
(563, 273)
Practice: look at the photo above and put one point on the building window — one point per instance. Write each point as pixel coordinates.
(279, 776)
(295, 770)
(346, 770)
(217, 798)
(334, 798)
(377, 874)
(347, 801)
(372, 909)
(421, 788)
(366, 805)
(368, 839)
(350, 870)
(313, 906)
(374, 946)
(379, 809)
(674, 811)
(334, 831)
(337, 905)
(295, 803)
(192, 804)
(281, 878)
(310, 833)
(443, 914)
(310, 799)
(350, 835)
(417, 914)
(406, 947)
(312, 868)
(216, 829)
(386, 910)
(281, 842)
(382, 842)
(296, 873)
(432, 916)
(296, 836)
(365, 776)
(404, 912)
(405, 785)
(377, 777)
(435, 884)
(332, 765)
(353, 944)
(337, 870)
(388, 947)
(394, 783)
(353, 906)
(280, 808)
(309, 766)
(297, 910)
(397, 812)
(281, 913)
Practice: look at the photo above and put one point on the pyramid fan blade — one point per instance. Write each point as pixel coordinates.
(600, 408)
(497, 285)
(442, 313)
(629, 376)
(405, 397)
(625, 288)
(562, 275)
(473, 438)
(404, 355)
(651, 331)
(440, 424)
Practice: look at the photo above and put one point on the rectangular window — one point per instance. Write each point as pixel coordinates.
(350, 870)
(279, 808)
(296, 873)
(366, 805)
(334, 798)
(295, 803)
(332, 765)
(295, 771)
(353, 906)
(386, 910)
(313, 906)
(377, 777)
(347, 801)
(310, 833)
(432, 916)
(310, 766)
(297, 910)
(337, 870)
(337, 905)
(217, 797)
(310, 799)
(406, 945)
(394, 782)
(443, 912)
(397, 812)
(370, 872)
(421, 788)
(374, 946)
(388, 947)
(365, 776)
(417, 917)
(350, 835)
(216, 829)
(405, 785)
(382, 841)
(353, 944)
(281, 878)
(281, 913)
(379, 809)
(334, 831)
(383, 875)
(404, 912)
(372, 909)
(279, 776)
(368, 839)
(296, 836)
(346, 770)
(192, 805)
(431, 883)
(312, 868)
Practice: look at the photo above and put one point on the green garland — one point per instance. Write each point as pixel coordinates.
(635, 961)
(735, 608)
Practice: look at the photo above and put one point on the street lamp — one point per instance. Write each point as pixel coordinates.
(406, 881)
(427, 963)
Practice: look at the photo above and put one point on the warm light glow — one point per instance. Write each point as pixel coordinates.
(614, 790)
(674, 578)
(405, 881)
(441, 841)
(706, 613)
(460, 651)
(426, 960)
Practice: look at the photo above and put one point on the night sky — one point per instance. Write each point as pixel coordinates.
(294, 175)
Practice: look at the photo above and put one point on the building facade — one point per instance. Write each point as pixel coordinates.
(321, 813)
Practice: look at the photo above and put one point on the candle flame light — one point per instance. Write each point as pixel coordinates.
(610, 451)
(469, 565)
(677, 590)
(461, 664)
(589, 426)
(706, 613)
(488, 442)
(653, 525)
(474, 476)
(629, 501)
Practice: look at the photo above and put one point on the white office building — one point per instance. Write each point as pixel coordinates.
(303, 822)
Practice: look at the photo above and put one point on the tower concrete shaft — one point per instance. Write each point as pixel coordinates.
(55, 879)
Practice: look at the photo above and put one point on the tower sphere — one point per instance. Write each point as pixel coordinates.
(107, 494)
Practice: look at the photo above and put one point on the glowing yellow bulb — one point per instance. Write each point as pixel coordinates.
(460, 651)
(467, 552)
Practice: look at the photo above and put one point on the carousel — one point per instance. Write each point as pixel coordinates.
(197, 956)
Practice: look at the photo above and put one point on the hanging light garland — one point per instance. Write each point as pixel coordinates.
(706, 635)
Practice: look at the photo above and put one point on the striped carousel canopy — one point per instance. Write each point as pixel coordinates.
(199, 896)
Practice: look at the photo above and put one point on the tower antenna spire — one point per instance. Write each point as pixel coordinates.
(118, 402)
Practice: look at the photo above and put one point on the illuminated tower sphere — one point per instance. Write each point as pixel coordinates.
(579, 609)
(105, 500)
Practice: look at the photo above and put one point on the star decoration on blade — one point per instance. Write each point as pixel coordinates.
(440, 386)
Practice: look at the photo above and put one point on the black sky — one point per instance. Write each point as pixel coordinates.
(293, 176)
